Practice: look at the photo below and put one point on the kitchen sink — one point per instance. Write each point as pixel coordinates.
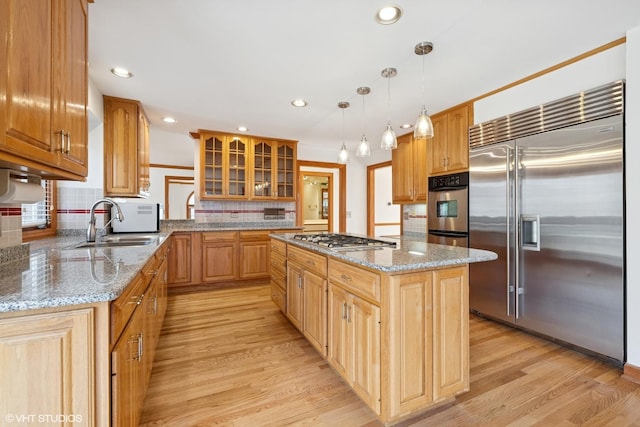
(116, 241)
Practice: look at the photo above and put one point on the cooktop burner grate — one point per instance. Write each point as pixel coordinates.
(331, 240)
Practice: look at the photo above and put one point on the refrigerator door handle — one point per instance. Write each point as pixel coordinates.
(530, 232)
(516, 242)
(508, 173)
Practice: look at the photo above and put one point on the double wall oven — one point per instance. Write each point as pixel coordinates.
(448, 209)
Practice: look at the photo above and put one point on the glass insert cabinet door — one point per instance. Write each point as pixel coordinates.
(263, 169)
(213, 176)
(286, 171)
(237, 167)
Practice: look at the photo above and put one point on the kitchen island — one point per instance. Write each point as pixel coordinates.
(391, 321)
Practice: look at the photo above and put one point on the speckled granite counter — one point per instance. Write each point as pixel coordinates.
(191, 225)
(410, 254)
(55, 274)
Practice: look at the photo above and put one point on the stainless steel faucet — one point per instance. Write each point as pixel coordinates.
(91, 231)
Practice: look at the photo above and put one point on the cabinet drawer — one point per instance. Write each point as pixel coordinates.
(279, 246)
(278, 263)
(359, 281)
(219, 236)
(279, 297)
(255, 235)
(310, 261)
(279, 279)
(123, 307)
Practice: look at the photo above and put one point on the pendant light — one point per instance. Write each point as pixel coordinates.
(343, 154)
(423, 127)
(363, 149)
(389, 140)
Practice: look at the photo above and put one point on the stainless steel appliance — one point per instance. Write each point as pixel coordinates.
(551, 205)
(138, 218)
(447, 209)
(344, 241)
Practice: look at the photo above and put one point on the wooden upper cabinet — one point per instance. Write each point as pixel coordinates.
(273, 165)
(44, 82)
(448, 150)
(223, 166)
(246, 167)
(126, 148)
(409, 170)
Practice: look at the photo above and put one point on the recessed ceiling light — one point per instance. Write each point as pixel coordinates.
(170, 120)
(299, 103)
(121, 72)
(242, 129)
(388, 15)
(406, 126)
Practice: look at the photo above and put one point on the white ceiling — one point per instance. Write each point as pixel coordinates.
(218, 64)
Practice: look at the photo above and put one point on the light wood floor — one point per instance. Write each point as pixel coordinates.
(230, 358)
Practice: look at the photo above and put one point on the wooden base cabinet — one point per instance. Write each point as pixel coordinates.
(48, 367)
(307, 295)
(137, 317)
(179, 260)
(354, 343)
(279, 274)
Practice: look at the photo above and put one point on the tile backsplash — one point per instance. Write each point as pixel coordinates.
(10, 226)
(74, 205)
(234, 212)
(414, 218)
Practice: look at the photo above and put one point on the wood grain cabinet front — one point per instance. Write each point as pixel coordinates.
(307, 295)
(126, 148)
(409, 170)
(246, 167)
(448, 150)
(48, 366)
(44, 85)
(180, 259)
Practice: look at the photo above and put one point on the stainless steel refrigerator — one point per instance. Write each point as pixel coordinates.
(551, 204)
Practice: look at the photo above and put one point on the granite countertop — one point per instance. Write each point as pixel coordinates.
(410, 254)
(57, 274)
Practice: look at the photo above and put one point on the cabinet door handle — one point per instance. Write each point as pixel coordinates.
(137, 340)
(344, 310)
(61, 132)
(140, 347)
(348, 314)
(68, 138)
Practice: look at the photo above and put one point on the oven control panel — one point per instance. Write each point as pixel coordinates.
(456, 180)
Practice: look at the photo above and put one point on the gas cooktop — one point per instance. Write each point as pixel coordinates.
(337, 241)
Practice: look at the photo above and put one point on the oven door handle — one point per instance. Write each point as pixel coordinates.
(449, 233)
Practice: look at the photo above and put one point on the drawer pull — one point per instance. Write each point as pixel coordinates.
(138, 300)
(311, 263)
(345, 277)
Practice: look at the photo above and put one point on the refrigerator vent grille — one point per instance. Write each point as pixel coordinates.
(600, 102)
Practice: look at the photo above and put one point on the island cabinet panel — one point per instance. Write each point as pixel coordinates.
(44, 86)
(307, 295)
(47, 365)
(314, 324)
(278, 250)
(451, 332)
(408, 343)
(255, 248)
(339, 336)
(295, 299)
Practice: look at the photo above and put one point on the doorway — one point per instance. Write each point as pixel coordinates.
(317, 202)
(383, 217)
(336, 192)
(178, 197)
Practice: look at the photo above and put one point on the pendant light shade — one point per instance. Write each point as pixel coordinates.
(389, 140)
(423, 127)
(363, 148)
(343, 154)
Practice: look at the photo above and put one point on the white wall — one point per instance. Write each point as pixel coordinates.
(620, 62)
(632, 156)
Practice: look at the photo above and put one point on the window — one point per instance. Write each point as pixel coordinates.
(39, 219)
